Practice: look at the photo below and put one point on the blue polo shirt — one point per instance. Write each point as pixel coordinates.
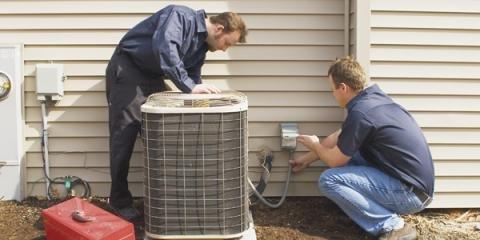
(171, 42)
(388, 137)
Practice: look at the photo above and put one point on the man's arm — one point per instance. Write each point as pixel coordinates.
(327, 151)
(167, 42)
(195, 74)
(333, 157)
(302, 162)
(331, 140)
(305, 160)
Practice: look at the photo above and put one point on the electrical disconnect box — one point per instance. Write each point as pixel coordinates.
(50, 80)
(289, 134)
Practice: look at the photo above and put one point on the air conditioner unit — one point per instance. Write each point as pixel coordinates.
(195, 148)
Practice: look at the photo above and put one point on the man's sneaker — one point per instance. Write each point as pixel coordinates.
(128, 213)
(406, 233)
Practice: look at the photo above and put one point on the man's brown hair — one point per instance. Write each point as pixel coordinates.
(231, 22)
(347, 70)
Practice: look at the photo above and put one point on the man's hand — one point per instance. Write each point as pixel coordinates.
(331, 156)
(303, 161)
(205, 88)
(297, 165)
(309, 141)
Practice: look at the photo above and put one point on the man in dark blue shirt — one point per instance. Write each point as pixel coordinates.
(381, 163)
(171, 43)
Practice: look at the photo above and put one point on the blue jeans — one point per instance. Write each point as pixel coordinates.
(368, 196)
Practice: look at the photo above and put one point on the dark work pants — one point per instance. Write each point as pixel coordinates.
(127, 89)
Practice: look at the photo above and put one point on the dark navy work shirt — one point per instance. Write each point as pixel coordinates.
(171, 42)
(388, 137)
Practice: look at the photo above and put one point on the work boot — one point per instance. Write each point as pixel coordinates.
(128, 213)
(406, 233)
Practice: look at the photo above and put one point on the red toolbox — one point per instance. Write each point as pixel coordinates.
(77, 219)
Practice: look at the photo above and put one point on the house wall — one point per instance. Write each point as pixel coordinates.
(426, 55)
(282, 69)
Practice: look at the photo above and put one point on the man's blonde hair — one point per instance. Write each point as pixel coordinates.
(347, 70)
(231, 22)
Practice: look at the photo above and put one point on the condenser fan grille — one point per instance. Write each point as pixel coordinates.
(195, 173)
(162, 101)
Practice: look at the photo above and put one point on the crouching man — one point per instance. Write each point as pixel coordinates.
(380, 162)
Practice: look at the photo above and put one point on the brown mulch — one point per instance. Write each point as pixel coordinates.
(297, 218)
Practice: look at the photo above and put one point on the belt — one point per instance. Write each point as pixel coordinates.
(422, 196)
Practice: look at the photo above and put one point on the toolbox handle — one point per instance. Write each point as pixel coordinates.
(79, 215)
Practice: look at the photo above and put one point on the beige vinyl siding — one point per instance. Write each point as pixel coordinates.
(426, 55)
(282, 69)
(359, 29)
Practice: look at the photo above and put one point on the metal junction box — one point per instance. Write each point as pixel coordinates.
(50, 80)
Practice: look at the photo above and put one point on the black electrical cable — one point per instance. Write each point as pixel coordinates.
(262, 183)
(285, 189)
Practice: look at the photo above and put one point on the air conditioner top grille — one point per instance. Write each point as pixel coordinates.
(177, 102)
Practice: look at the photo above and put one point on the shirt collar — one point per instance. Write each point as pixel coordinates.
(201, 15)
(371, 89)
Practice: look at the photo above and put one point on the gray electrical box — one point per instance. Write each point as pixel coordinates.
(289, 134)
(50, 80)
